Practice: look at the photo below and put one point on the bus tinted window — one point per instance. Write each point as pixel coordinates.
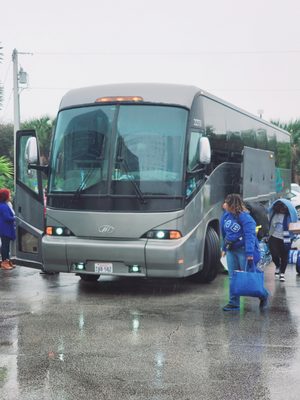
(150, 146)
(80, 150)
(230, 130)
(99, 145)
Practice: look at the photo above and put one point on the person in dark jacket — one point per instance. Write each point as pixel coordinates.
(7, 228)
(240, 244)
(282, 212)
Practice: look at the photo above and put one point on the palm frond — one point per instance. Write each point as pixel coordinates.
(6, 167)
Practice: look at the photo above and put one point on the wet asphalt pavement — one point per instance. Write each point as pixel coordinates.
(61, 338)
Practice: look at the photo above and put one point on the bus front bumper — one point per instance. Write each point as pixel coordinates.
(143, 258)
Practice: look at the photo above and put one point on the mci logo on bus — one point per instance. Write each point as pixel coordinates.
(106, 229)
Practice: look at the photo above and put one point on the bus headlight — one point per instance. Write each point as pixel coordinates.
(162, 234)
(59, 231)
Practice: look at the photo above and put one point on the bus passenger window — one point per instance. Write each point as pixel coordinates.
(193, 154)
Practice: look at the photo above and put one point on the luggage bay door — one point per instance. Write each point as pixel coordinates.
(258, 174)
(28, 202)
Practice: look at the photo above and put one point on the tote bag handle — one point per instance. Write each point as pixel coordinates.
(250, 266)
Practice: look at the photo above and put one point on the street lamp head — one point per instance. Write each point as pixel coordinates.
(260, 113)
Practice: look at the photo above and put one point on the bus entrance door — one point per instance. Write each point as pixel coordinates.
(28, 202)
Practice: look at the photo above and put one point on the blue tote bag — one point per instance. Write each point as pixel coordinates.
(248, 283)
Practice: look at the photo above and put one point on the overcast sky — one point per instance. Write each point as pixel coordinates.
(246, 52)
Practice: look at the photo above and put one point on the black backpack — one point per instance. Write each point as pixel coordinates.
(260, 215)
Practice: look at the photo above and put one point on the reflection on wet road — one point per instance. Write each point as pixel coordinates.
(145, 339)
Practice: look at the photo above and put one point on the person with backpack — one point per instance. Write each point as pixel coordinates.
(282, 212)
(240, 244)
(260, 215)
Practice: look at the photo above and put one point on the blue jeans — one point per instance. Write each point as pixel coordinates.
(236, 260)
(5, 242)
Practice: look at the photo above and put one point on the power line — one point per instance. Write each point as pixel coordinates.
(47, 88)
(256, 90)
(211, 90)
(169, 53)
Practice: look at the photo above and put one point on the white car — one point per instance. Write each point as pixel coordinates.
(295, 187)
(294, 197)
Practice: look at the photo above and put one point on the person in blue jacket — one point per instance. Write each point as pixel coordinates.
(282, 212)
(7, 228)
(240, 244)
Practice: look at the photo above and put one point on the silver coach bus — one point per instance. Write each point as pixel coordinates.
(136, 178)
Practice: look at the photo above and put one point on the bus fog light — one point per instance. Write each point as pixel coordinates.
(78, 266)
(134, 268)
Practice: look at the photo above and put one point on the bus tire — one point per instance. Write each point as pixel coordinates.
(211, 261)
(89, 278)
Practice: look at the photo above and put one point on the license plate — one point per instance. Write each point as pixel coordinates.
(104, 268)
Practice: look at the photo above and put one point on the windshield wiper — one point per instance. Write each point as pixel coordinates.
(138, 191)
(83, 183)
(98, 159)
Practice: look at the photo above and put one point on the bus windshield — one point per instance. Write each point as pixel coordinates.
(104, 149)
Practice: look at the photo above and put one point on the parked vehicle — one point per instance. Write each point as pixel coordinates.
(294, 196)
(133, 186)
(295, 187)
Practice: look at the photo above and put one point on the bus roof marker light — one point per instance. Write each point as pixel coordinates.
(118, 99)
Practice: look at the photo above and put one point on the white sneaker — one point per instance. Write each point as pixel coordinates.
(277, 273)
(282, 278)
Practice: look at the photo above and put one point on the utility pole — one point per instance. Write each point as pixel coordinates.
(19, 76)
(16, 91)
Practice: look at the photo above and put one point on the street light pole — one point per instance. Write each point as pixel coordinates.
(16, 91)
(19, 77)
(16, 116)
(16, 107)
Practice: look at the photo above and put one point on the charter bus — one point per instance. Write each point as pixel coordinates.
(136, 178)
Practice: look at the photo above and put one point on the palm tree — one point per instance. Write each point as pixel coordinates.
(6, 172)
(1, 88)
(43, 128)
(294, 128)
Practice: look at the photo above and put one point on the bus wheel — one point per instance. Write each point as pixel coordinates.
(211, 258)
(89, 278)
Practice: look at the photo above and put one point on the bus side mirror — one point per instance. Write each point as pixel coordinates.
(204, 150)
(31, 151)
